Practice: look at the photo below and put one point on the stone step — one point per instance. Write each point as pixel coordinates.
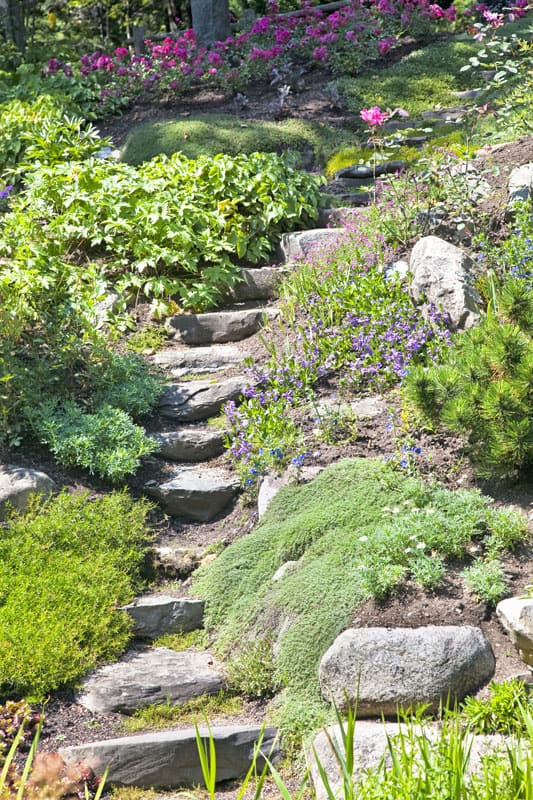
(300, 244)
(193, 401)
(184, 360)
(453, 114)
(192, 443)
(17, 484)
(197, 494)
(149, 676)
(169, 759)
(363, 173)
(155, 615)
(257, 284)
(220, 326)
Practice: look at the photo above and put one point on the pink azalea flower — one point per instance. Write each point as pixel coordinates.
(373, 116)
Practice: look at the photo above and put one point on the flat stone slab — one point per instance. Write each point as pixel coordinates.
(155, 615)
(17, 484)
(213, 358)
(521, 183)
(365, 173)
(516, 616)
(371, 746)
(219, 326)
(169, 759)
(153, 675)
(193, 401)
(366, 408)
(299, 245)
(390, 668)
(197, 494)
(191, 443)
(258, 284)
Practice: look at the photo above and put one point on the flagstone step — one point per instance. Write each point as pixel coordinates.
(149, 676)
(257, 284)
(184, 360)
(193, 401)
(195, 493)
(300, 244)
(192, 443)
(169, 759)
(156, 615)
(220, 326)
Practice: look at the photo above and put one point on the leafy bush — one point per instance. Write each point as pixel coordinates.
(486, 579)
(483, 386)
(65, 566)
(41, 132)
(106, 443)
(251, 671)
(503, 710)
(359, 530)
(171, 228)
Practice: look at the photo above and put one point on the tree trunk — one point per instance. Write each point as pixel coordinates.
(210, 20)
(15, 24)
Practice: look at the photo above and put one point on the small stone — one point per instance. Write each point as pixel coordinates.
(146, 677)
(268, 489)
(176, 562)
(17, 484)
(366, 408)
(398, 269)
(191, 443)
(195, 494)
(158, 614)
(220, 326)
(521, 183)
(516, 616)
(285, 569)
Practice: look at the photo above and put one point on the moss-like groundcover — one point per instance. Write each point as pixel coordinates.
(361, 529)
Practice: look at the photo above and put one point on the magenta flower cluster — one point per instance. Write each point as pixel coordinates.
(343, 40)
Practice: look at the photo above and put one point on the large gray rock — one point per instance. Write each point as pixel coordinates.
(521, 183)
(183, 360)
(195, 494)
(299, 245)
(169, 759)
(17, 484)
(257, 284)
(155, 615)
(442, 274)
(192, 443)
(219, 326)
(516, 616)
(364, 173)
(192, 401)
(390, 668)
(371, 745)
(154, 675)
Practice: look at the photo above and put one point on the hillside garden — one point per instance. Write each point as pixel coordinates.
(209, 298)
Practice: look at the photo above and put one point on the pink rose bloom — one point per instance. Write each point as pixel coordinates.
(122, 52)
(373, 116)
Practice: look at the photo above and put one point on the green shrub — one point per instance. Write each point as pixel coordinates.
(41, 132)
(251, 671)
(171, 228)
(106, 443)
(486, 579)
(359, 530)
(503, 710)
(483, 389)
(65, 567)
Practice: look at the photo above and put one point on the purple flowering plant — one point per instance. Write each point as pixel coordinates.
(350, 323)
